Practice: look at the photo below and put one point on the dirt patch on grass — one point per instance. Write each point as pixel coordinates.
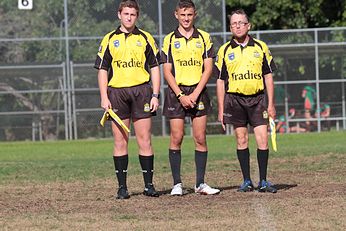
(307, 199)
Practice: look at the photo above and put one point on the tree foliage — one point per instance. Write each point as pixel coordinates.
(292, 14)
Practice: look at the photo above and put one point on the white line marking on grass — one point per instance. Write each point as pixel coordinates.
(267, 221)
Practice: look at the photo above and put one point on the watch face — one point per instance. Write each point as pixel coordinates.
(156, 95)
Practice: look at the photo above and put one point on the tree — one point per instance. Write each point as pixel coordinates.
(292, 14)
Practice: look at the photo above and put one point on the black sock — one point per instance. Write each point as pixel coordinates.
(147, 164)
(201, 163)
(262, 159)
(244, 160)
(175, 162)
(120, 165)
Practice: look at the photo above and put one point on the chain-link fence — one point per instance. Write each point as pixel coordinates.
(48, 88)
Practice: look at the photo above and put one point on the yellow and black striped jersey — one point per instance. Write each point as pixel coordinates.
(243, 68)
(187, 55)
(128, 57)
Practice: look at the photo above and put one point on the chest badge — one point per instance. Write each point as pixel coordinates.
(198, 44)
(231, 56)
(177, 44)
(139, 44)
(116, 43)
(256, 54)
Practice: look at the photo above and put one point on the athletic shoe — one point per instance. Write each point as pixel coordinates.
(205, 189)
(177, 190)
(150, 191)
(266, 186)
(122, 193)
(246, 186)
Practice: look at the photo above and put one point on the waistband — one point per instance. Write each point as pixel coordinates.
(194, 85)
(243, 95)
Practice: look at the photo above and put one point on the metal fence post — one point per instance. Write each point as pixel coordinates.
(65, 101)
(67, 62)
(224, 21)
(162, 89)
(74, 113)
(317, 69)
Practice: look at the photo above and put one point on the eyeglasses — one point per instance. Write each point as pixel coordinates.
(235, 24)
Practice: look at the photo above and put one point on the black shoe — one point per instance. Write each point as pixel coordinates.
(123, 193)
(246, 186)
(266, 186)
(150, 191)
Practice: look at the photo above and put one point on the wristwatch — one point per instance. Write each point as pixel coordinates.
(156, 95)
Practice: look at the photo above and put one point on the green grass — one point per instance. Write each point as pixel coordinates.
(88, 159)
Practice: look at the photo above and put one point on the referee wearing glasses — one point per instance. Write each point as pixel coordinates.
(245, 94)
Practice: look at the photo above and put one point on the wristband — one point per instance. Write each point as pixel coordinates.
(155, 95)
(180, 95)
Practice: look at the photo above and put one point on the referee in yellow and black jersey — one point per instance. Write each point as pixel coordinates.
(187, 58)
(245, 93)
(127, 62)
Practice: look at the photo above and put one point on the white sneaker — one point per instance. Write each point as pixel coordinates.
(205, 189)
(177, 190)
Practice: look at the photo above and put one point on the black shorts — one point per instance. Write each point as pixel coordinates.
(173, 109)
(131, 102)
(241, 110)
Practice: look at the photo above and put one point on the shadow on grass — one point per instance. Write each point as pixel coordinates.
(280, 187)
(187, 191)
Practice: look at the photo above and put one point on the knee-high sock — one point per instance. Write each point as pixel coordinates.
(147, 164)
(244, 160)
(262, 159)
(201, 163)
(175, 162)
(120, 165)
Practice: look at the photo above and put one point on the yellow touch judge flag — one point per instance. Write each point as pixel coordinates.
(273, 133)
(115, 117)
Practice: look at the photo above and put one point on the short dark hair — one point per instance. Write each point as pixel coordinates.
(239, 11)
(130, 4)
(182, 4)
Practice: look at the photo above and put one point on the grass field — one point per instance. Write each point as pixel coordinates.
(70, 185)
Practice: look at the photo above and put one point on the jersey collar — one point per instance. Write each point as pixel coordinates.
(251, 42)
(179, 35)
(135, 31)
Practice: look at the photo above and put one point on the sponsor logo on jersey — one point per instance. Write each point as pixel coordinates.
(146, 107)
(177, 44)
(231, 56)
(128, 64)
(116, 43)
(190, 62)
(247, 75)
